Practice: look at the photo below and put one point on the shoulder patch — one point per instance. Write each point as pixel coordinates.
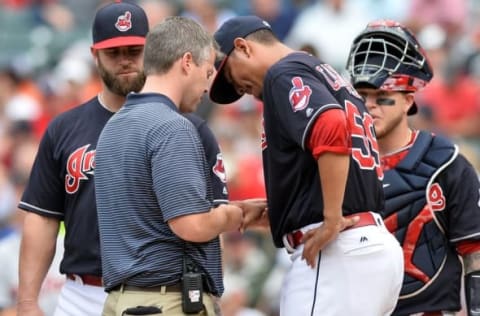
(299, 95)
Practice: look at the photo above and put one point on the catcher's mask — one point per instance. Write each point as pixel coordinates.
(387, 56)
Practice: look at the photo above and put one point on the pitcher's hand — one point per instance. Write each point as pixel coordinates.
(318, 238)
(254, 213)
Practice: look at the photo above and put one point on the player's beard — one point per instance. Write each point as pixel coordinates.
(119, 86)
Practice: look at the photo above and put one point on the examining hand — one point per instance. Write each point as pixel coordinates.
(255, 213)
(235, 215)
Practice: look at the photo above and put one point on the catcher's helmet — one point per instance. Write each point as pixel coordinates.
(387, 56)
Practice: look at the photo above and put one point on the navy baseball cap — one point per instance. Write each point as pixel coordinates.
(221, 91)
(119, 24)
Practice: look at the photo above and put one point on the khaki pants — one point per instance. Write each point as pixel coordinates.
(169, 302)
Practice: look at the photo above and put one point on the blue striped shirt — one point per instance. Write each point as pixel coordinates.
(150, 168)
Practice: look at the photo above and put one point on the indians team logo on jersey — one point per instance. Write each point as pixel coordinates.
(436, 198)
(299, 95)
(124, 22)
(79, 164)
(219, 169)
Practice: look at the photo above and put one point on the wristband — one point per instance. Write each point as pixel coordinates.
(472, 293)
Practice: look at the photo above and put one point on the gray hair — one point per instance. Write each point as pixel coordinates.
(170, 40)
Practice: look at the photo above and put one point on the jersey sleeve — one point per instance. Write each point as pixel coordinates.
(462, 195)
(215, 164)
(329, 134)
(44, 192)
(298, 98)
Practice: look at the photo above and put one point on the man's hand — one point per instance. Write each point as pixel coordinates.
(261, 222)
(255, 213)
(235, 217)
(318, 238)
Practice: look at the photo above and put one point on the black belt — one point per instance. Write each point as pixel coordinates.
(177, 287)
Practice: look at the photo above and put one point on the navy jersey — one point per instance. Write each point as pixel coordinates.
(296, 91)
(214, 159)
(432, 207)
(61, 181)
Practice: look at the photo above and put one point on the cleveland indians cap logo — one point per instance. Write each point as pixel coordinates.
(124, 22)
(299, 95)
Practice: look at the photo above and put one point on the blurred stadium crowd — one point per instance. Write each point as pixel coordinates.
(46, 68)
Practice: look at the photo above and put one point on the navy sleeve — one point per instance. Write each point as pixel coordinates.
(462, 196)
(44, 193)
(214, 159)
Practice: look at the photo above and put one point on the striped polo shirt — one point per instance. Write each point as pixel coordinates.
(150, 168)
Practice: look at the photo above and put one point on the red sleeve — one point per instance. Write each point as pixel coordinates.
(330, 134)
(467, 247)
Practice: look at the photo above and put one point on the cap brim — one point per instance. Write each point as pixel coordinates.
(120, 41)
(221, 91)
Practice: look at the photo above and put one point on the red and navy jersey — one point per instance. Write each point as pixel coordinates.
(297, 90)
(214, 159)
(61, 181)
(433, 208)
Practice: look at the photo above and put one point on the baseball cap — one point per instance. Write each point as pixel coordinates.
(221, 91)
(119, 24)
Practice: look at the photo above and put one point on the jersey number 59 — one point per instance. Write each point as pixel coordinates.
(364, 143)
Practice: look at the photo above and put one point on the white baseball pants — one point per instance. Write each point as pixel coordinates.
(77, 299)
(360, 273)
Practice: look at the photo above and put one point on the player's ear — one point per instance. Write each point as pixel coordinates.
(241, 45)
(94, 53)
(187, 61)
(410, 99)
